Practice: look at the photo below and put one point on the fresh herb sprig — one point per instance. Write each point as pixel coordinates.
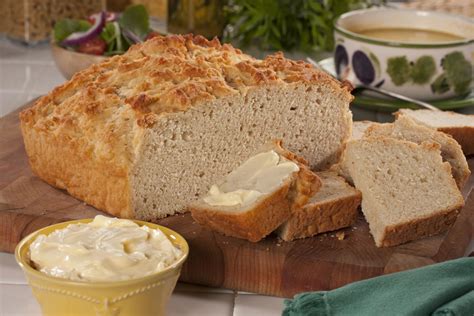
(287, 24)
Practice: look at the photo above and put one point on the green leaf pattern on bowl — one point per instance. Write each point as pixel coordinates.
(456, 75)
(398, 68)
(440, 85)
(458, 71)
(423, 70)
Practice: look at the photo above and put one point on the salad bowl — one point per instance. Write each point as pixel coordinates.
(69, 62)
(79, 43)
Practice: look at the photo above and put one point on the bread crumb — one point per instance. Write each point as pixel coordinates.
(340, 235)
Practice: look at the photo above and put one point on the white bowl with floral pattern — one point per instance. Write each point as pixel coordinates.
(425, 71)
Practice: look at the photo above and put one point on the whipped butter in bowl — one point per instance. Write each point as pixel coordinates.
(106, 249)
(102, 266)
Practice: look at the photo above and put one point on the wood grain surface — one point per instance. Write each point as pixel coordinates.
(269, 267)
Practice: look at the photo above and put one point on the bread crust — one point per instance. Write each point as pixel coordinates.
(252, 225)
(463, 135)
(56, 160)
(419, 228)
(269, 212)
(316, 218)
(306, 184)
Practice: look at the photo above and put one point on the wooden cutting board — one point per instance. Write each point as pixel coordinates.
(269, 267)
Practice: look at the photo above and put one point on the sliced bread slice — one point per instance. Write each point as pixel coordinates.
(460, 126)
(358, 131)
(405, 128)
(359, 128)
(333, 207)
(408, 192)
(258, 196)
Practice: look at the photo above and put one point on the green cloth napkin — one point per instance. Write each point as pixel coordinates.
(443, 289)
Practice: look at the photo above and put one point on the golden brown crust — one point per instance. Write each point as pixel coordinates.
(252, 225)
(320, 217)
(463, 135)
(163, 75)
(55, 159)
(420, 228)
(307, 183)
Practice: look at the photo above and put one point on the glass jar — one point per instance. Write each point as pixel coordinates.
(204, 17)
(31, 21)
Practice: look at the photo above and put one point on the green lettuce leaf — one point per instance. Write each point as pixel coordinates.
(135, 19)
(65, 27)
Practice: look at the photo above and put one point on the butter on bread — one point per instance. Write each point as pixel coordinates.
(255, 219)
(143, 134)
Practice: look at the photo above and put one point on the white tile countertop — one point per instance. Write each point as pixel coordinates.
(26, 73)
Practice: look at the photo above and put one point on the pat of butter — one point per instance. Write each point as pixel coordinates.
(259, 175)
(106, 249)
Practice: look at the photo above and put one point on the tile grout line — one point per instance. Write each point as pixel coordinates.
(233, 302)
(26, 62)
(9, 283)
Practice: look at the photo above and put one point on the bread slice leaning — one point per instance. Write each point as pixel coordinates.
(333, 207)
(408, 192)
(258, 219)
(459, 126)
(359, 128)
(405, 128)
(358, 131)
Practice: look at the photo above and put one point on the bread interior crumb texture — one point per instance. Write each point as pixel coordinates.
(400, 182)
(192, 150)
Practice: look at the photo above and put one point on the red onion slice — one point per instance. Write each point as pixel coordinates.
(78, 38)
(111, 16)
(131, 36)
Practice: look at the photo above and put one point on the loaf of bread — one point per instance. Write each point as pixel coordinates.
(143, 134)
(408, 192)
(459, 126)
(407, 129)
(333, 207)
(258, 196)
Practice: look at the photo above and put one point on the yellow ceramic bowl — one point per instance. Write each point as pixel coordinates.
(143, 296)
